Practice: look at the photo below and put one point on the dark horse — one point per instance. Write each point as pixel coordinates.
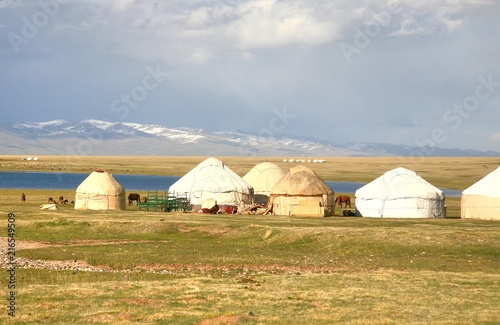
(134, 197)
(343, 199)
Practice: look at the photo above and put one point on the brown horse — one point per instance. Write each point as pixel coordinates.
(343, 199)
(134, 197)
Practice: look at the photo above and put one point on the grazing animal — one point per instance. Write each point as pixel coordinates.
(343, 199)
(144, 199)
(51, 200)
(61, 200)
(134, 197)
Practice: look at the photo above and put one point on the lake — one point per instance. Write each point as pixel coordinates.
(69, 181)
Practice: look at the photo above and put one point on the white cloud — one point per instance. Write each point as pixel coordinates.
(200, 31)
(260, 24)
(282, 23)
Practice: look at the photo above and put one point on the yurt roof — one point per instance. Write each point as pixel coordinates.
(100, 182)
(263, 176)
(399, 183)
(301, 181)
(487, 186)
(211, 175)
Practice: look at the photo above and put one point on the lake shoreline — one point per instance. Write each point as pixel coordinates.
(442, 172)
(19, 180)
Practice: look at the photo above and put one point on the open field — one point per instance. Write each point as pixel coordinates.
(446, 172)
(124, 267)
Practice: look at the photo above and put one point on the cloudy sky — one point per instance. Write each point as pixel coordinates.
(416, 72)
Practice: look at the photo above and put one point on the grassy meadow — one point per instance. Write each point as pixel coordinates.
(183, 268)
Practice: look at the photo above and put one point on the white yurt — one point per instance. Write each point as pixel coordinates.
(301, 192)
(400, 193)
(482, 199)
(262, 177)
(100, 191)
(212, 180)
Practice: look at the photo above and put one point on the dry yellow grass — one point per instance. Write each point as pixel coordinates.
(379, 297)
(444, 172)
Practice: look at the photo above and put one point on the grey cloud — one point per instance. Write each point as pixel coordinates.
(251, 57)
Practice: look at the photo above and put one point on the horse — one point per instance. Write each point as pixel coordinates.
(343, 199)
(134, 197)
(51, 200)
(61, 200)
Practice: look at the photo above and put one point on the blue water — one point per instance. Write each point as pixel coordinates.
(69, 181)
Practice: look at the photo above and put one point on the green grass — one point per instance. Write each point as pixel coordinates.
(375, 297)
(181, 268)
(243, 241)
(218, 269)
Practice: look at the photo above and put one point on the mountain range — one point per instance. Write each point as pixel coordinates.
(96, 137)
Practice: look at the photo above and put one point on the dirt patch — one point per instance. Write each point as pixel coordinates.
(25, 244)
(243, 271)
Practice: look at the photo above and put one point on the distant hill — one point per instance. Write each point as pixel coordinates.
(95, 137)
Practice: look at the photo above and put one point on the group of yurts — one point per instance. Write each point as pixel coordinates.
(399, 193)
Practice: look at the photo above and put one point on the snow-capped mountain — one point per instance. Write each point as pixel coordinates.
(96, 137)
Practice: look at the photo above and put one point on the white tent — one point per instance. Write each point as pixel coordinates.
(100, 191)
(400, 193)
(262, 178)
(211, 179)
(482, 199)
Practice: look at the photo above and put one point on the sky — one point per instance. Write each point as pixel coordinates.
(422, 73)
